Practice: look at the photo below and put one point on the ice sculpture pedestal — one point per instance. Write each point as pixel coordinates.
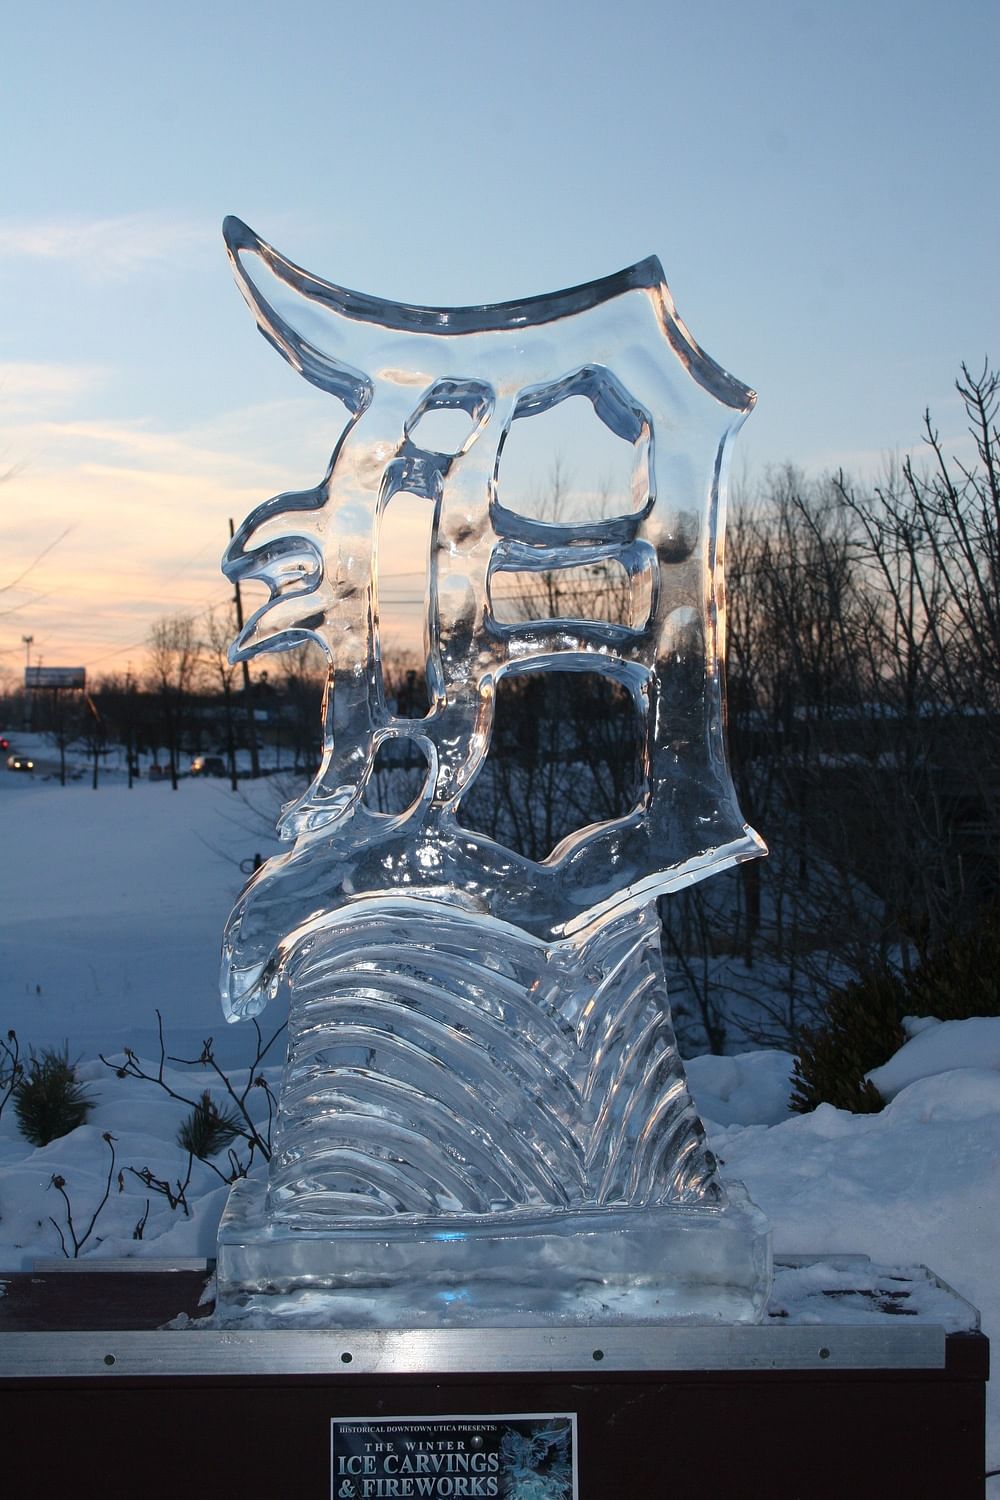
(871, 1383)
(592, 1268)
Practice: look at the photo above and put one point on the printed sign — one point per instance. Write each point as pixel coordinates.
(524, 1456)
(55, 677)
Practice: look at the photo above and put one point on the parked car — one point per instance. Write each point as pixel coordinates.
(208, 765)
(20, 763)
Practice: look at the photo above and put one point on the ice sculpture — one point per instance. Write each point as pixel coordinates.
(484, 1118)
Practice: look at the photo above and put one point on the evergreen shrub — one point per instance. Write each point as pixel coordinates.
(207, 1129)
(863, 1027)
(49, 1100)
(961, 977)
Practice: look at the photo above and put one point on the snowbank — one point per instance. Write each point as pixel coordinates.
(936, 1047)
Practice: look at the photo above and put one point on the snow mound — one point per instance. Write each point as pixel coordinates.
(939, 1047)
(752, 1088)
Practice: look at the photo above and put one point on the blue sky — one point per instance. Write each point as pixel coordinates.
(819, 182)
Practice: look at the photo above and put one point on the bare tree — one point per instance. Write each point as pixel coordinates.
(300, 677)
(58, 713)
(219, 630)
(864, 697)
(124, 714)
(174, 665)
(928, 547)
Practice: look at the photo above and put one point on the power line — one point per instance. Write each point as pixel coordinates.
(196, 612)
(27, 604)
(5, 587)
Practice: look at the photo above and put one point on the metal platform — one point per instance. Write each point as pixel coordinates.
(106, 1318)
(863, 1380)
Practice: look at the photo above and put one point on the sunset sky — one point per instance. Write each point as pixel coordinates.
(819, 182)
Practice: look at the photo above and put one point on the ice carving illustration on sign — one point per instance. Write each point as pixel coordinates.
(483, 1116)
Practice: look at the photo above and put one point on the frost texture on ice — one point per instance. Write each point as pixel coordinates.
(474, 1031)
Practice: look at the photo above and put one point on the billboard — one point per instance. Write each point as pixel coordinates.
(55, 677)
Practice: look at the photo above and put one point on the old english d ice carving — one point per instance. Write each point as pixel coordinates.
(483, 1107)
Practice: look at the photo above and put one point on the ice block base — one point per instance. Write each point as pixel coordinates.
(589, 1267)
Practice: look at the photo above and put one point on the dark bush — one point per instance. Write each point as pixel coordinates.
(49, 1099)
(11, 1067)
(961, 977)
(862, 1031)
(207, 1130)
(863, 1028)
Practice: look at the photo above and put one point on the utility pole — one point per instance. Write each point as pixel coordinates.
(129, 752)
(27, 641)
(247, 695)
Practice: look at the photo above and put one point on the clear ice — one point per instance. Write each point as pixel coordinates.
(483, 1116)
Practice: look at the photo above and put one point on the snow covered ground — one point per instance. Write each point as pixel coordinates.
(113, 904)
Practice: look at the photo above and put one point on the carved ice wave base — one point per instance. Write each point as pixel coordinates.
(589, 1267)
(429, 1170)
